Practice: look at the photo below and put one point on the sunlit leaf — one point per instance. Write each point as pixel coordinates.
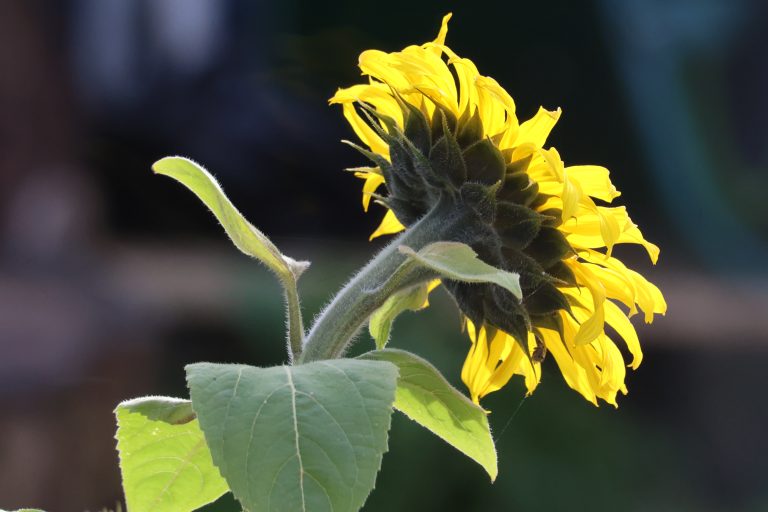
(459, 262)
(247, 238)
(304, 438)
(164, 459)
(380, 323)
(427, 398)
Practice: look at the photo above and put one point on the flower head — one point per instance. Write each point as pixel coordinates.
(438, 131)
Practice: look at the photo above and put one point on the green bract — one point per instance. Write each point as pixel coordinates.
(459, 262)
(381, 320)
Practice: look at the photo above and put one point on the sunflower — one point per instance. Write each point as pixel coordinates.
(439, 132)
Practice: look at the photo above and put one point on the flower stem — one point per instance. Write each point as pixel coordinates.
(341, 320)
(295, 323)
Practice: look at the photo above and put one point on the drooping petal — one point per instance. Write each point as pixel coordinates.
(515, 362)
(366, 134)
(575, 376)
(372, 182)
(594, 181)
(616, 318)
(593, 326)
(647, 295)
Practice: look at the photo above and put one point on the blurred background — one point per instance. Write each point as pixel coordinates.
(111, 279)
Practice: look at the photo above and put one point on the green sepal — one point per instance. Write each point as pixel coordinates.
(381, 162)
(504, 311)
(531, 273)
(551, 217)
(443, 122)
(546, 299)
(516, 166)
(446, 158)
(484, 163)
(417, 129)
(470, 129)
(562, 273)
(513, 184)
(481, 199)
(517, 225)
(549, 247)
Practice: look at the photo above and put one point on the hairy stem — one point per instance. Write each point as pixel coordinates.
(341, 320)
(295, 323)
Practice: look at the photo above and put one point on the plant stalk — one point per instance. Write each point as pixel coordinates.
(335, 328)
(293, 317)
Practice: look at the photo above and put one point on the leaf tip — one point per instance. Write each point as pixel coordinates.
(165, 165)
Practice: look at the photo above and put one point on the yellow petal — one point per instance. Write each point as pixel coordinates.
(389, 225)
(617, 284)
(536, 130)
(612, 370)
(515, 362)
(589, 230)
(372, 182)
(616, 318)
(376, 94)
(467, 74)
(593, 326)
(594, 181)
(575, 376)
(497, 108)
(465, 369)
(365, 132)
(610, 229)
(430, 286)
(647, 295)
(474, 373)
(440, 39)
(571, 196)
(381, 66)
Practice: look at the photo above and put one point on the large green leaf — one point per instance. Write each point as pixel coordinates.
(380, 323)
(296, 438)
(459, 262)
(165, 462)
(247, 238)
(427, 398)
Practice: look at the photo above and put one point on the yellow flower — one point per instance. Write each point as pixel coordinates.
(424, 105)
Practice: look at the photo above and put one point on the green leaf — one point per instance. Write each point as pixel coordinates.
(380, 323)
(307, 437)
(459, 262)
(247, 238)
(165, 462)
(427, 398)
